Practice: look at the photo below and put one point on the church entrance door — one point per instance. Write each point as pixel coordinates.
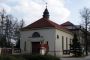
(35, 47)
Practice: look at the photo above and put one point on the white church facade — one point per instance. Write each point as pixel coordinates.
(44, 30)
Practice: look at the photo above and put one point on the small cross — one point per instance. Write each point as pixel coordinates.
(46, 4)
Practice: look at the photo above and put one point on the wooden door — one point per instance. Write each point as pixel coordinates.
(36, 47)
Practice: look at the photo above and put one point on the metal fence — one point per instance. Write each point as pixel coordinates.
(9, 51)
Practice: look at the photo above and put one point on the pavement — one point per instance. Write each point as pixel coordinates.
(76, 58)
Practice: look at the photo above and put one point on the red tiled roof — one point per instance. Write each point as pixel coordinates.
(44, 23)
(67, 24)
(41, 23)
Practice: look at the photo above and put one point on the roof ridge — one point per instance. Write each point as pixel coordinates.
(66, 23)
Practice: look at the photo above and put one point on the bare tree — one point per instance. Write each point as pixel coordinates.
(85, 14)
(9, 28)
(21, 25)
(2, 25)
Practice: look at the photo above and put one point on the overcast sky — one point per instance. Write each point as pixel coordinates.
(32, 10)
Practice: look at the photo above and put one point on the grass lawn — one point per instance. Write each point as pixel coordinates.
(28, 57)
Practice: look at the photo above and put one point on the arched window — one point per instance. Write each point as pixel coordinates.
(35, 34)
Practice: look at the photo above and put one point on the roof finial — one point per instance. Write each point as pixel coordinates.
(46, 13)
(46, 4)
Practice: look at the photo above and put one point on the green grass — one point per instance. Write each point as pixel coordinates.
(28, 57)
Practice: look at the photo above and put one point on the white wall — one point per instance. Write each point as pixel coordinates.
(48, 34)
(58, 43)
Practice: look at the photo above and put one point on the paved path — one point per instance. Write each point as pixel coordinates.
(72, 58)
(81, 58)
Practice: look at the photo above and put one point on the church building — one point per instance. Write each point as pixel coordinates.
(45, 31)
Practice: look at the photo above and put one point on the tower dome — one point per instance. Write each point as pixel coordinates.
(46, 13)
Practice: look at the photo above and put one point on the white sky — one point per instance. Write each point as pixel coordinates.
(32, 10)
